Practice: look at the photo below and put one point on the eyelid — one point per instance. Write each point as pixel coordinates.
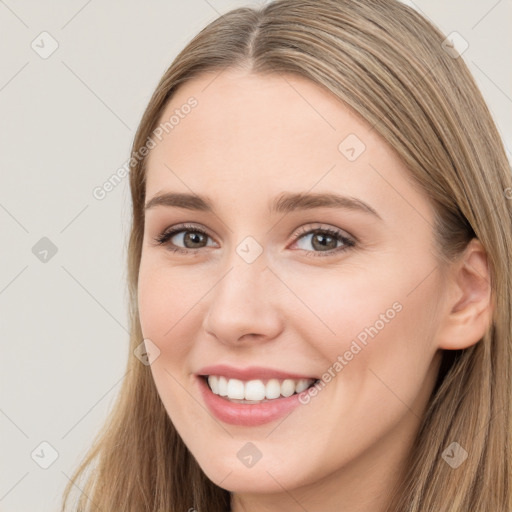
(318, 226)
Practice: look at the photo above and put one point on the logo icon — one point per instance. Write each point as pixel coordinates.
(249, 249)
(44, 45)
(455, 45)
(454, 455)
(147, 352)
(249, 454)
(351, 147)
(44, 250)
(44, 455)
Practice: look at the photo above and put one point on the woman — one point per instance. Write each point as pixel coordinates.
(319, 267)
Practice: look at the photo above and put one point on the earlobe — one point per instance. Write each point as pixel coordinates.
(469, 311)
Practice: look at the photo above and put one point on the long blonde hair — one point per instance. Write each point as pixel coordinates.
(387, 63)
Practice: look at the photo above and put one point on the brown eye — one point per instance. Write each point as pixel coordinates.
(191, 239)
(183, 238)
(323, 241)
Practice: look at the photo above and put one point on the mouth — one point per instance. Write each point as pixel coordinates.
(255, 391)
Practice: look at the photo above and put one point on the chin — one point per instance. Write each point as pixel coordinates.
(262, 478)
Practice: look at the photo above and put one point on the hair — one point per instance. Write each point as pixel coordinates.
(386, 62)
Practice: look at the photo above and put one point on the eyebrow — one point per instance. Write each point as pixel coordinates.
(284, 203)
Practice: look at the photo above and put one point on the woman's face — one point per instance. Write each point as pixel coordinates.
(258, 289)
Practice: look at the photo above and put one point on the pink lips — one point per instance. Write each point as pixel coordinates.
(247, 414)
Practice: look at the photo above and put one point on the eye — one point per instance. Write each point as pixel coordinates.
(324, 241)
(192, 237)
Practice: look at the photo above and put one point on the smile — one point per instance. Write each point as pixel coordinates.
(257, 390)
(252, 396)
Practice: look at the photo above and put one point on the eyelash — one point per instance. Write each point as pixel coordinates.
(165, 236)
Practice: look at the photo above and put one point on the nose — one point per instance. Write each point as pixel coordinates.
(243, 306)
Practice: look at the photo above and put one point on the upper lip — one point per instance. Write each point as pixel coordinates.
(250, 372)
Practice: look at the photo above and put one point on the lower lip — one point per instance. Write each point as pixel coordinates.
(247, 415)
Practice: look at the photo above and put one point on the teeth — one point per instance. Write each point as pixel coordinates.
(273, 389)
(288, 387)
(214, 384)
(302, 385)
(223, 386)
(256, 390)
(236, 389)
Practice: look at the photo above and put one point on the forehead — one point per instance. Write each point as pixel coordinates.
(241, 116)
(254, 109)
(254, 136)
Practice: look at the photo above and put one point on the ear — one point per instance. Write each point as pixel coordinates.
(470, 306)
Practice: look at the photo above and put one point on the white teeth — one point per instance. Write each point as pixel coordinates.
(236, 389)
(273, 389)
(256, 390)
(223, 386)
(302, 385)
(288, 387)
(213, 381)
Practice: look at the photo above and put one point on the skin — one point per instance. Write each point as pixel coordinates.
(249, 139)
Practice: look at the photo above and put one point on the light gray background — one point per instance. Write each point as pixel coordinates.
(67, 123)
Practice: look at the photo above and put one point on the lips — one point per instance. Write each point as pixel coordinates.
(249, 412)
(246, 415)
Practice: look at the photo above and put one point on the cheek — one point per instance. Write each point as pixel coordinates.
(154, 301)
(341, 305)
(167, 297)
(168, 301)
(172, 308)
(376, 329)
